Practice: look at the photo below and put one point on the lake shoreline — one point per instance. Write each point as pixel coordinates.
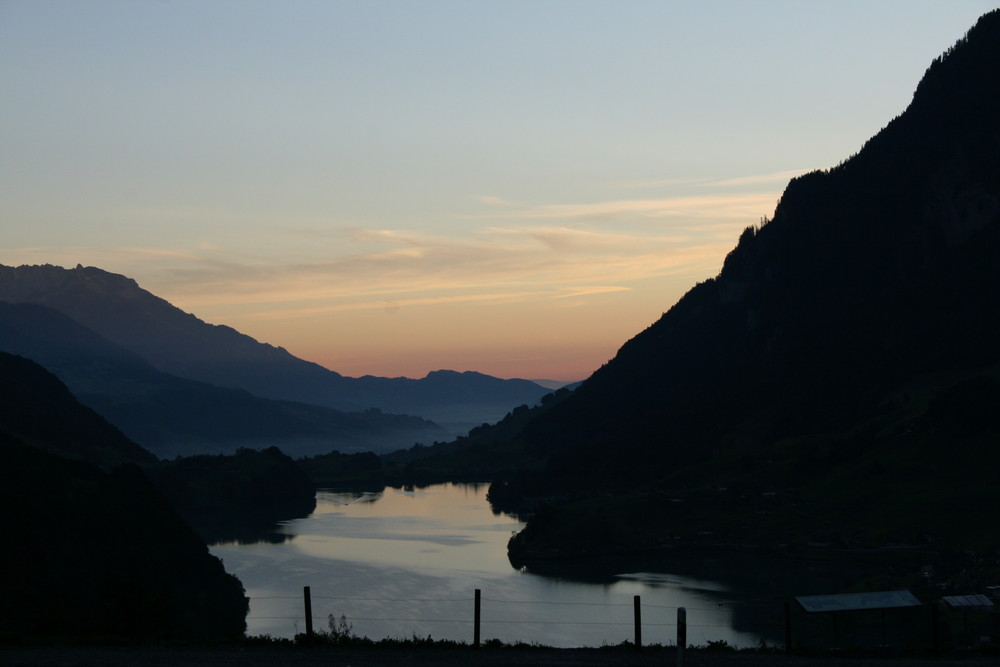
(407, 562)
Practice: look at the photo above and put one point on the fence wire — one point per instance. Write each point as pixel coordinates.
(487, 619)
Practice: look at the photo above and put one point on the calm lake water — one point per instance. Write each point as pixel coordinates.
(406, 562)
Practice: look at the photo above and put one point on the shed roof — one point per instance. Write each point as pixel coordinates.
(857, 601)
(967, 601)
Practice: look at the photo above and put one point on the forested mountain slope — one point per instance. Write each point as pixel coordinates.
(849, 328)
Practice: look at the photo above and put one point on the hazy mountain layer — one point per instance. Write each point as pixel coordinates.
(179, 343)
(173, 416)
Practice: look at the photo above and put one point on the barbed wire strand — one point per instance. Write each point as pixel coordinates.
(496, 621)
(495, 600)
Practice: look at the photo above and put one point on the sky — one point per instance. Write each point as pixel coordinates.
(394, 187)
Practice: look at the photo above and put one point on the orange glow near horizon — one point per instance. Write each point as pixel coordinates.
(392, 188)
(559, 339)
(550, 302)
(557, 365)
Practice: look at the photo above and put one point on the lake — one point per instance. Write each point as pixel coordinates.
(406, 562)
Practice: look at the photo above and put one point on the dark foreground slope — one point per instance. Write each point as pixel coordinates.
(829, 384)
(38, 409)
(94, 552)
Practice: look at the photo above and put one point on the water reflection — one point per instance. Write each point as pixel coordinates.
(348, 497)
(438, 528)
(406, 562)
(256, 525)
(657, 580)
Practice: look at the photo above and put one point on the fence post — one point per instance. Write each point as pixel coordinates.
(307, 598)
(936, 627)
(788, 627)
(477, 618)
(638, 622)
(682, 635)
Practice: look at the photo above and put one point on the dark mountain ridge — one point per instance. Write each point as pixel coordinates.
(874, 288)
(839, 284)
(179, 343)
(96, 551)
(38, 409)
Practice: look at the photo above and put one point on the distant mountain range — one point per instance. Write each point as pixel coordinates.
(831, 384)
(179, 343)
(172, 416)
(180, 386)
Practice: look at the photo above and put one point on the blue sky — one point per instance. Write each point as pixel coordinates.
(395, 187)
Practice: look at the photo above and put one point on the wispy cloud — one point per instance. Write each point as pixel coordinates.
(587, 290)
(748, 197)
(326, 308)
(774, 178)
(506, 253)
(492, 200)
(777, 179)
(726, 206)
(495, 263)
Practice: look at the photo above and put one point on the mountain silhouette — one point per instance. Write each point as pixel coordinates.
(173, 416)
(38, 409)
(179, 343)
(834, 333)
(96, 551)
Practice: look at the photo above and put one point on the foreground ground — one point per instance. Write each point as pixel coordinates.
(259, 656)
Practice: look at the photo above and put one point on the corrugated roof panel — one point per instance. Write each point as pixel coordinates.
(857, 601)
(967, 601)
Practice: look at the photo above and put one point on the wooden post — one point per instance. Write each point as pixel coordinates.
(788, 627)
(682, 635)
(477, 619)
(638, 622)
(936, 626)
(307, 598)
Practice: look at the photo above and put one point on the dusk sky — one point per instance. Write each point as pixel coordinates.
(394, 187)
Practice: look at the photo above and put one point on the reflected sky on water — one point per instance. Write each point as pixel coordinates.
(406, 562)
